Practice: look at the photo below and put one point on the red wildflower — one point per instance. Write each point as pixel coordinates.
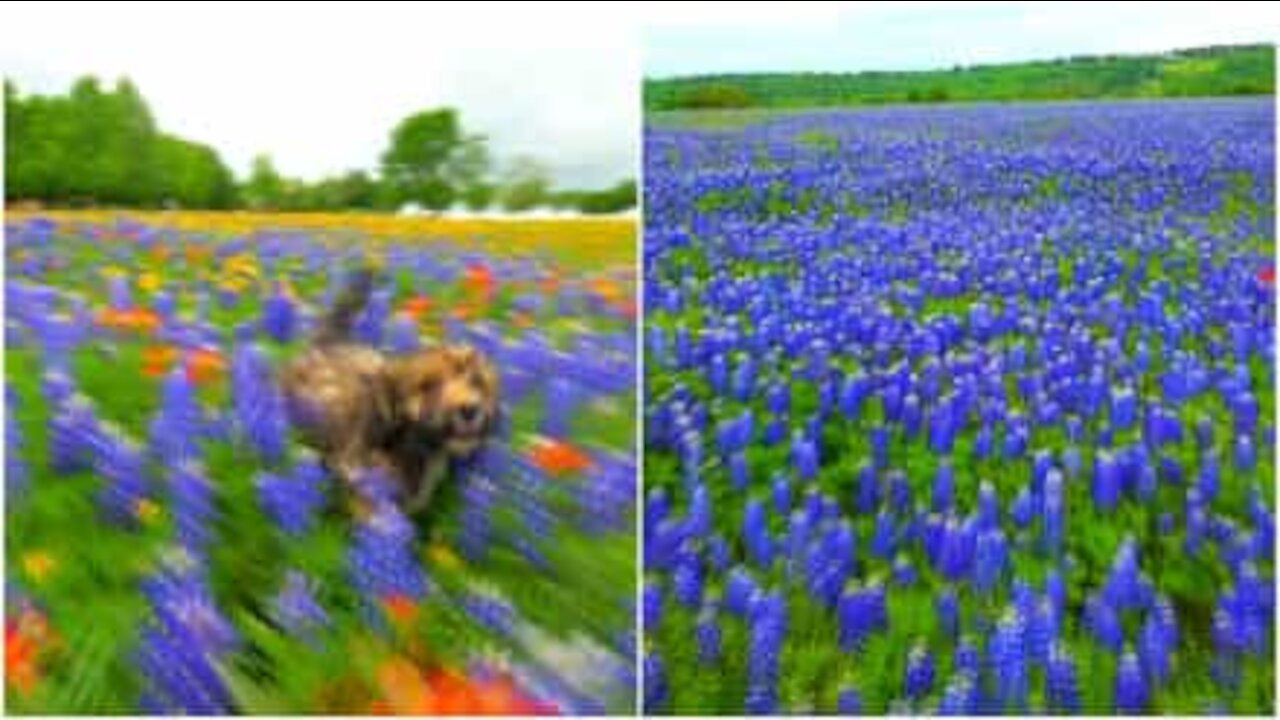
(25, 637)
(556, 457)
(21, 670)
(405, 689)
(480, 282)
(201, 365)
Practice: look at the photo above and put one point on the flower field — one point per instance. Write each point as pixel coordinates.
(171, 549)
(962, 410)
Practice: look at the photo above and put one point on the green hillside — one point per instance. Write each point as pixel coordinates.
(1218, 70)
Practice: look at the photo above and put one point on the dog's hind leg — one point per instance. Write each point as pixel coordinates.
(432, 475)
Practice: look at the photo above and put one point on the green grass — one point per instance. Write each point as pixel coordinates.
(1200, 72)
(813, 670)
(92, 598)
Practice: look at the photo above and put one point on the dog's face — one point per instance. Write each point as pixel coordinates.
(451, 393)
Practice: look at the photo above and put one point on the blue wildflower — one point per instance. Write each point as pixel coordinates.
(919, 675)
(291, 500)
(296, 609)
(1061, 687)
(279, 316)
(849, 702)
(707, 636)
(1132, 695)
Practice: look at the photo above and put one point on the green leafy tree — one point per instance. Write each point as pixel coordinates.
(430, 159)
(81, 167)
(356, 190)
(265, 187)
(716, 96)
(526, 185)
(94, 146)
(611, 200)
(479, 195)
(468, 169)
(192, 175)
(126, 167)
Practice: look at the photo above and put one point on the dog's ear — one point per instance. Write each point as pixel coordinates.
(417, 381)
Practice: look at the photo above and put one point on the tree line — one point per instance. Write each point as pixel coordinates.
(1198, 72)
(101, 147)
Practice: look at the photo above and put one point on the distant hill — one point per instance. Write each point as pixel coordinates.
(1209, 71)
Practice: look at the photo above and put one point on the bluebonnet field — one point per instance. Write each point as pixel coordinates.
(961, 410)
(170, 549)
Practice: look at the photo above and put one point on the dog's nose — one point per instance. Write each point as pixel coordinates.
(468, 412)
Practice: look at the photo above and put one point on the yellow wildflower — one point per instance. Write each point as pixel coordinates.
(149, 282)
(38, 564)
(147, 511)
(443, 556)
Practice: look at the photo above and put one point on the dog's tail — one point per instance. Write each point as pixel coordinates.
(335, 326)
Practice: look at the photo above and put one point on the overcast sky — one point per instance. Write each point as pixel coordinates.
(320, 85)
(927, 35)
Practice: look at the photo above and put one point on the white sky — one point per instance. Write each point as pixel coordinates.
(320, 85)
(853, 36)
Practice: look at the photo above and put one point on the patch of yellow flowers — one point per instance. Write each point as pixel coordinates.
(582, 242)
(239, 272)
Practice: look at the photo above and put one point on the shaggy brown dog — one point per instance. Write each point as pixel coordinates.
(406, 416)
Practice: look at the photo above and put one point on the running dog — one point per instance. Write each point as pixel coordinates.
(406, 417)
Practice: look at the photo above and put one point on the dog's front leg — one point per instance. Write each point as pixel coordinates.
(356, 464)
(434, 472)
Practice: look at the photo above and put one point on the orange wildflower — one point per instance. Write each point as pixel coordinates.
(201, 365)
(480, 275)
(550, 283)
(450, 693)
(24, 638)
(500, 696)
(197, 253)
(608, 290)
(417, 306)
(402, 688)
(556, 457)
(138, 320)
(204, 365)
(158, 359)
(405, 689)
(480, 282)
(456, 694)
(402, 609)
(21, 669)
